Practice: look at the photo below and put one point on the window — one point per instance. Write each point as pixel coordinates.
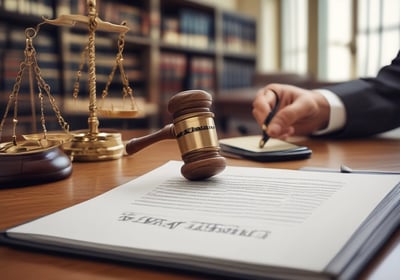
(294, 36)
(334, 40)
(355, 38)
(378, 34)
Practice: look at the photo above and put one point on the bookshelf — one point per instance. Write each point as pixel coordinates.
(171, 46)
(15, 17)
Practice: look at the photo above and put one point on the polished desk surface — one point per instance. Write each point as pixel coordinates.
(18, 205)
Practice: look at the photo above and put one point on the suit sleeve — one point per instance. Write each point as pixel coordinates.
(372, 104)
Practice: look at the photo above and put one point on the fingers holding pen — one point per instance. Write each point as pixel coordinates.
(281, 126)
(263, 104)
(296, 113)
(265, 108)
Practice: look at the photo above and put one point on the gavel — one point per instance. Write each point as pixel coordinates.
(194, 129)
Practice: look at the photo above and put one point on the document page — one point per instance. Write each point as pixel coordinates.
(260, 216)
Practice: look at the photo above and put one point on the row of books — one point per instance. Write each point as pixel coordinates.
(239, 34)
(13, 55)
(237, 74)
(188, 28)
(29, 7)
(173, 70)
(202, 72)
(105, 60)
(179, 72)
(136, 18)
(24, 83)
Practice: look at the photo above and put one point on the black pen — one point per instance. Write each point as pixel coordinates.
(268, 119)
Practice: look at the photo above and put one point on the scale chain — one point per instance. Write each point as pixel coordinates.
(31, 61)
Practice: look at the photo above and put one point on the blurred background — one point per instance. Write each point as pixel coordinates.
(332, 40)
(229, 48)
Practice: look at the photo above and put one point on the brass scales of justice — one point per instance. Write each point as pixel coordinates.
(90, 145)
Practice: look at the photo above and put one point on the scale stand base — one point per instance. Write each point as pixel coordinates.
(34, 167)
(101, 146)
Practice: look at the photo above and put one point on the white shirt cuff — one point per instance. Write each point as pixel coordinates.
(337, 116)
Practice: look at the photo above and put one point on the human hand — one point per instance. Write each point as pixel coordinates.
(301, 111)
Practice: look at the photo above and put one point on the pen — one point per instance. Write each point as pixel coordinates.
(346, 169)
(268, 119)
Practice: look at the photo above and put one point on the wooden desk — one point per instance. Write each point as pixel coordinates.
(18, 205)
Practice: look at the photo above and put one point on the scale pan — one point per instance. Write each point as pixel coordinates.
(117, 113)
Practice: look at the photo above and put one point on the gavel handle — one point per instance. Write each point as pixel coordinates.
(136, 144)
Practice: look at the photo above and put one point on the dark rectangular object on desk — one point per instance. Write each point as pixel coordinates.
(275, 150)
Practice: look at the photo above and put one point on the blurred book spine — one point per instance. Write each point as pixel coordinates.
(202, 73)
(188, 28)
(237, 74)
(136, 17)
(239, 34)
(173, 68)
(29, 7)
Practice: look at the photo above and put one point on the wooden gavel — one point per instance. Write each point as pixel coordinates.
(193, 127)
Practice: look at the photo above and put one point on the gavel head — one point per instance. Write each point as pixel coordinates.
(195, 131)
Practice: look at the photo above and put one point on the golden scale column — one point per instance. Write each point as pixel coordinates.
(94, 145)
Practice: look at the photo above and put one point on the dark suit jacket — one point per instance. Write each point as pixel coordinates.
(372, 104)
